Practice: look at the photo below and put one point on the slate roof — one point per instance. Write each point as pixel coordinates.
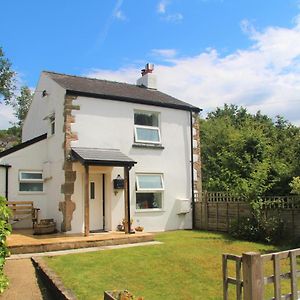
(99, 156)
(91, 87)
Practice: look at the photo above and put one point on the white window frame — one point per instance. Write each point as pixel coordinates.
(31, 180)
(157, 128)
(146, 141)
(140, 190)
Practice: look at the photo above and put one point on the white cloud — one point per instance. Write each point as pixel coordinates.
(177, 17)
(119, 14)
(164, 53)
(115, 14)
(162, 5)
(169, 17)
(6, 116)
(265, 77)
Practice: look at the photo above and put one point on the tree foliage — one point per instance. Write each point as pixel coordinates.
(21, 104)
(5, 230)
(248, 154)
(18, 100)
(7, 78)
(295, 185)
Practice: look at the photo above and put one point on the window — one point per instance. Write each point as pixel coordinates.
(92, 190)
(52, 124)
(31, 181)
(149, 191)
(146, 127)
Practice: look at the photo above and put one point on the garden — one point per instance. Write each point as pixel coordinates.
(187, 265)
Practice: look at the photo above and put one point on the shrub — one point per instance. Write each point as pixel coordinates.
(266, 230)
(5, 230)
(295, 185)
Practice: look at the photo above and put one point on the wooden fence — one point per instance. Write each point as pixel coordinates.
(250, 279)
(217, 210)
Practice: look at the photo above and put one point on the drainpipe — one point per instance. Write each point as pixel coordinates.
(192, 171)
(6, 166)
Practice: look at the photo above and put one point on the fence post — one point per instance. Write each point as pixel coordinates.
(204, 217)
(253, 280)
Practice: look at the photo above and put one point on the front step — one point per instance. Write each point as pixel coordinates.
(46, 246)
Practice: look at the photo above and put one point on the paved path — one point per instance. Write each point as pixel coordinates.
(23, 283)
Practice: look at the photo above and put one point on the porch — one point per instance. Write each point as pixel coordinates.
(23, 241)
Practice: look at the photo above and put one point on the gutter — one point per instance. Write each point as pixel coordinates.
(6, 166)
(192, 171)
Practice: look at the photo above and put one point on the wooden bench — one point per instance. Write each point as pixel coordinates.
(22, 210)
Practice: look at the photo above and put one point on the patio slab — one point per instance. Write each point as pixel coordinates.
(23, 241)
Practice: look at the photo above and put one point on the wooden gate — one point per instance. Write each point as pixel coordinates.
(250, 279)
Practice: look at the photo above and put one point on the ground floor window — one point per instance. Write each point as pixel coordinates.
(31, 181)
(149, 191)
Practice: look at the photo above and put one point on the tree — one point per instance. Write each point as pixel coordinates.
(21, 104)
(7, 78)
(248, 154)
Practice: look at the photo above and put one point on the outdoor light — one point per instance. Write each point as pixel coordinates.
(118, 184)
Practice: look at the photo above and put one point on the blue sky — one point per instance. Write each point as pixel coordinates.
(206, 52)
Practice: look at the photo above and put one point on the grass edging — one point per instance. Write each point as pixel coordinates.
(52, 280)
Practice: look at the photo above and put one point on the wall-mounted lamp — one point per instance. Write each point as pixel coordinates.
(44, 93)
(118, 184)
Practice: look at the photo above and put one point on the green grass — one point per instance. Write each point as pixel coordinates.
(186, 266)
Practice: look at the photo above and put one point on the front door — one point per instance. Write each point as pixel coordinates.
(96, 202)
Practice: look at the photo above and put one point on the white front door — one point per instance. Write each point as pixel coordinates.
(96, 202)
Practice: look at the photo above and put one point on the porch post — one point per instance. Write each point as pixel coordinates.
(86, 201)
(127, 226)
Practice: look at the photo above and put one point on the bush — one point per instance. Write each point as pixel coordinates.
(266, 230)
(5, 230)
(295, 185)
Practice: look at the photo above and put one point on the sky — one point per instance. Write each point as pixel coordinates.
(205, 52)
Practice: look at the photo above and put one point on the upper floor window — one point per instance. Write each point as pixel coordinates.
(31, 181)
(146, 127)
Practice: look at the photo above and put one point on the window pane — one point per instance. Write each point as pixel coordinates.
(149, 182)
(34, 176)
(92, 190)
(148, 200)
(31, 186)
(147, 134)
(53, 127)
(146, 119)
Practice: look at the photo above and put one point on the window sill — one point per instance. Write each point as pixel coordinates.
(149, 146)
(149, 210)
(31, 193)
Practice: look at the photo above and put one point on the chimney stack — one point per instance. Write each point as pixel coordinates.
(148, 79)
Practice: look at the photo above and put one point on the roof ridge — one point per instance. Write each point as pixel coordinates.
(97, 79)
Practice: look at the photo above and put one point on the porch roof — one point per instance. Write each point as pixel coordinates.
(100, 156)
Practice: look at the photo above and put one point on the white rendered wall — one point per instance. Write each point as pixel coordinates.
(104, 123)
(30, 158)
(36, 123)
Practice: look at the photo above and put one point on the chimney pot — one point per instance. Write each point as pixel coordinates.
(148, 79)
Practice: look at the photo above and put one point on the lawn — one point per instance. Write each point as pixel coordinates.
(186, 266)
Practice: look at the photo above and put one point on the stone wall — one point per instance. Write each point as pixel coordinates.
(67, 206)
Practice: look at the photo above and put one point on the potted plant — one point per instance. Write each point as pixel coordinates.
(120, 295)
(139, 228)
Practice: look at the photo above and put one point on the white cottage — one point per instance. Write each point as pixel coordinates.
(95, 152)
